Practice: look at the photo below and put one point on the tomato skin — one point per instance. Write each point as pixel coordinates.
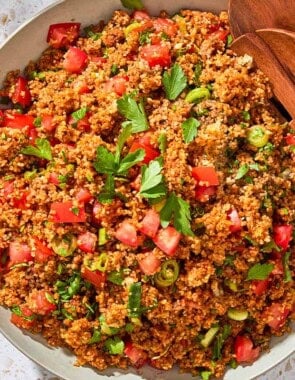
(205, 175)
(283, 235)
(276, 315)
(84, 196)
(87, 242)
(290, 139)
(17, 121)
(8, 188)
(136, 355)
(61, 212)
(47, 123)
(20, 321)
(82, 124)
(42, 253)
(244, 351)
(165, 25)
(203, 193)
(150, 152)
(40, 304)
(81, 86)
(96, 277)
(260, 287)
(127, 234)
(236, 224)
(156, 55)
(150, 223)
(22, 94)
(150, 264)
(63, 34)
(21, 202)
(117, 84)
(100, 61)
(75, 60)
(53, 178)
(140, 15)
(19, 253)
(167, 240)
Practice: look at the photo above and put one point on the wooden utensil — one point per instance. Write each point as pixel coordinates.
(246, 16)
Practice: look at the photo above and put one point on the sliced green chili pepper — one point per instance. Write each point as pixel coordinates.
(197, 95)
(102, 236)
(257, 136)
(168, 274)
(64, 245)
(100, 263)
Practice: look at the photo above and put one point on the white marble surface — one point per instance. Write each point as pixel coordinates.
(13, 364)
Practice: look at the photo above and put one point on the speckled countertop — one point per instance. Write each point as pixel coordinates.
(13, 364)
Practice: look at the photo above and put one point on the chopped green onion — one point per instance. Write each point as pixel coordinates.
(257, 136)
(115, 346)
(102, 236)
(209, 336)
(105, 328)
(96, 337)
(237, 315)
(168, 274)
(116, 277)
(197, 95)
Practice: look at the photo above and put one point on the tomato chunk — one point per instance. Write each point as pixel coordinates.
(39, 302)
(81, 86)
(22, 94)
(244, 351)
(136, 355)
(63, 34)
(167, 240)
(96, 277)
(127, 234)
(165, 25)
(140, 15)
(205, 176)
(156, 55)
(26, 318)
(17, 120)
(117, 84)
(19, 253)
(150, 264)
(144, 143)
(150, 223)
(42, 253)
(66, 212)
(47, 123)
(75, 60)
(259, 287)
(276, 315)
(290, 139)
(84, 196)
(283, 235)
(236, 224)
(82, 124)
(87, 242)
(203, 193)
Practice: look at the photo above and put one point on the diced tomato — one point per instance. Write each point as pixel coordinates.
(96, 277)
(117, 84)
(203, 193)
(53, 178)
(66, 212)
(166, 26)
(290, 139)
(21, 202)
(144, 143)
(236, 224)
(17, 120)
(127, 234)
(150, 264)
(283, 235)
(259, 287)
(136, 355)
(33, 134)
(87, 242)
(217, 30)
(39, 302)
(1, 117)
(82, 124)
(97, 212)
(84, 196)
(75, 60)
(63, 34)
(244, 351)
(81, 86)
(140, 15)
(167, 239)
(150, 223)
(8, 188)
(19, 253)
(22, 94)
(24, 321)
(47, 123)
(276, 315)
(205, 176)
(156, 55)
(42, 253)
(100, 61)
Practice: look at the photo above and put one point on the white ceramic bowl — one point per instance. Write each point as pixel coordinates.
(26, 44)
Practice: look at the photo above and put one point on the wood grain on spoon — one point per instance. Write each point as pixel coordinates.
(283, 86)
(249, 15)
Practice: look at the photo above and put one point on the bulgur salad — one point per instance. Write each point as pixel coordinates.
(147, 196)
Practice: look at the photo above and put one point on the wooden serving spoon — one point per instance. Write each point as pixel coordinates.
(246, 16)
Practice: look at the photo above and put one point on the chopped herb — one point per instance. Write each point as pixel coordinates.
(79, 114)
(249, 239)
(37, 75)
(115, 346)
(246, 115)
(229, 260)
(270, 247)
(260, 271)
(175, 82)
(242, 171)
(134, 300)
(162, 141)
(91, 34)
(132, 4)
(134, 112)
(190, 129)
(198, 72)
(287, 271)
(219, 341)
(67, 289)
(41, 150)
(96, 337)
(75, 210)
(129, 328)
(177, 209)
(152, 181)
(114, 69)
(205, 375)
(108, 192)
(29, 175)
(49, 298)
(16, 310)
(233, 363)
(60, 269)
(38, 121)
(116, 277)
(144, 37)
(229, 40)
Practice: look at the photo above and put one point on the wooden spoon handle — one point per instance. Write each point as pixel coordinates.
(283, 86)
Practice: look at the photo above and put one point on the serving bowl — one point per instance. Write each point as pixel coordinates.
(27, 44)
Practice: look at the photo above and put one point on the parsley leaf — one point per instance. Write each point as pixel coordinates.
(79, 114)
(41, 150)
(178, 209)
(115, 345)
(108, 191)
(287, 271)
(175, 82)
(190, 129)
(260, 271)
(242, 171)
(116, 277)
(130, 160)
(134, 112)
(105, 161)
(219, 342)
(132, 4)
(152, 182)
(134, 300)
